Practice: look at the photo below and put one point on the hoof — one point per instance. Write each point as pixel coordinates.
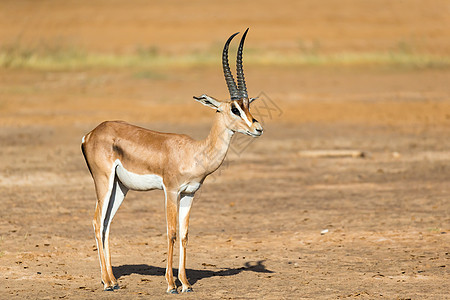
(109, 289)
(188, 290)
(116, 287)
(172, 291)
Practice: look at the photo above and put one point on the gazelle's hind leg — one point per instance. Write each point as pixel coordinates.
(118, 193)
(110, 195)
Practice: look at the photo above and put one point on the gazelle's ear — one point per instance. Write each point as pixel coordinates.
(208, 101)
(252, 99)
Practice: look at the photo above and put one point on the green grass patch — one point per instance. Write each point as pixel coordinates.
(149, 74)
(60, 58)
(349, 59)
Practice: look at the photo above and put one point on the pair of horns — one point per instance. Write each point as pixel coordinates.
(239, 91)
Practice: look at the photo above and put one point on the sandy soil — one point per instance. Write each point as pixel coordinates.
(272, 223)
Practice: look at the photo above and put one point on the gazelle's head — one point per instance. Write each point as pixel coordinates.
(236, 111)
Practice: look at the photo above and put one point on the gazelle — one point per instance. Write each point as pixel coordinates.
(121, 156)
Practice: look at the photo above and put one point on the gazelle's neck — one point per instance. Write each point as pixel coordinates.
(215, 147)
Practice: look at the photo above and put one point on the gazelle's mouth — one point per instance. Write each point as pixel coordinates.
(257, 134)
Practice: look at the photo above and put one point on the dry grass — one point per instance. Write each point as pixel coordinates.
(67, 58)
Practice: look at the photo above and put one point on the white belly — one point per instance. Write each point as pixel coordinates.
(138, 182)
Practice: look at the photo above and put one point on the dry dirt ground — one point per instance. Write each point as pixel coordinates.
(273, 223)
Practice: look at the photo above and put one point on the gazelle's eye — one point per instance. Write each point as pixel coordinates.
(235, 111)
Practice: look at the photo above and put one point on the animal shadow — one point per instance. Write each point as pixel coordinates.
(193, 275)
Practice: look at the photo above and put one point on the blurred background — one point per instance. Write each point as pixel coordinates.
(84, 58)
(79, 54)
(355, 102)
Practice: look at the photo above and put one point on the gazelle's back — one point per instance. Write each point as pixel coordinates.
(105, 144)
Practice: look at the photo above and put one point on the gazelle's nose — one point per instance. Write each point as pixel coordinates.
(258, 128)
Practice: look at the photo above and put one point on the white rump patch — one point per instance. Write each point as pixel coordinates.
(138, 182)
(83, 139)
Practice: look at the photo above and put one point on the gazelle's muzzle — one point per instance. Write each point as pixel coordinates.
(256, 129)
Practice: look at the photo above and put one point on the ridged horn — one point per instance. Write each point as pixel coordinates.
(234, 92)
(240, 71)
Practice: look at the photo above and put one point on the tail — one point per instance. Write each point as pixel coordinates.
(84, 155)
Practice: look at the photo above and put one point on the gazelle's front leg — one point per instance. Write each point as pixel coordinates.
(171, 220)
(184, 212)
